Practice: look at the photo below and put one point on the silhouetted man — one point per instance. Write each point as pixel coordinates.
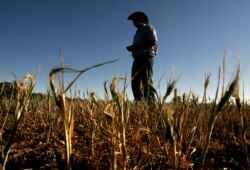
(143, 49)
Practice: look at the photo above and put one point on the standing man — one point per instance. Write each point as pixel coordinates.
(143, 51)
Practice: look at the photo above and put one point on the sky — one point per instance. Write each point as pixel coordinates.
(192, 38)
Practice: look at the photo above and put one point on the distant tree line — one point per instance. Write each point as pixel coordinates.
(7, 89)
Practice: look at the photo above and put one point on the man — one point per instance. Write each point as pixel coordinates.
(143, 51)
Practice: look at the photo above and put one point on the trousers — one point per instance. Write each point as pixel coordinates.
(141, 79)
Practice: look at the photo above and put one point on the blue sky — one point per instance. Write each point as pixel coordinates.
(192, 37)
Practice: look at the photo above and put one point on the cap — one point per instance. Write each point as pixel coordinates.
(140, 15)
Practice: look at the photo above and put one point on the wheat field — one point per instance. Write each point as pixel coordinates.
(53, 131)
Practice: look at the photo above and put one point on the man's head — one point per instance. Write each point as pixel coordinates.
(139, 18)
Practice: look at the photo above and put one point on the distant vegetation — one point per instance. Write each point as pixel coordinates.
(6, 89)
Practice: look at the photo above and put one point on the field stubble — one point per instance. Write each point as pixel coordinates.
(54, 132)
(97, 139)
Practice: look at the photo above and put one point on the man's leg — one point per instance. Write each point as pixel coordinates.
(149, 90)
(136, 80)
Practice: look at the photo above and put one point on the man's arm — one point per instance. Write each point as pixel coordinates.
(146, 44)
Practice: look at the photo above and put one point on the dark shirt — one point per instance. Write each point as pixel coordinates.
(146, 33)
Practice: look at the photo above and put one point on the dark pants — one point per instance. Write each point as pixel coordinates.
(142, 83)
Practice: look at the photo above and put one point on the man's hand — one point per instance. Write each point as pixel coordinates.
(146, 44)
(132, 47)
